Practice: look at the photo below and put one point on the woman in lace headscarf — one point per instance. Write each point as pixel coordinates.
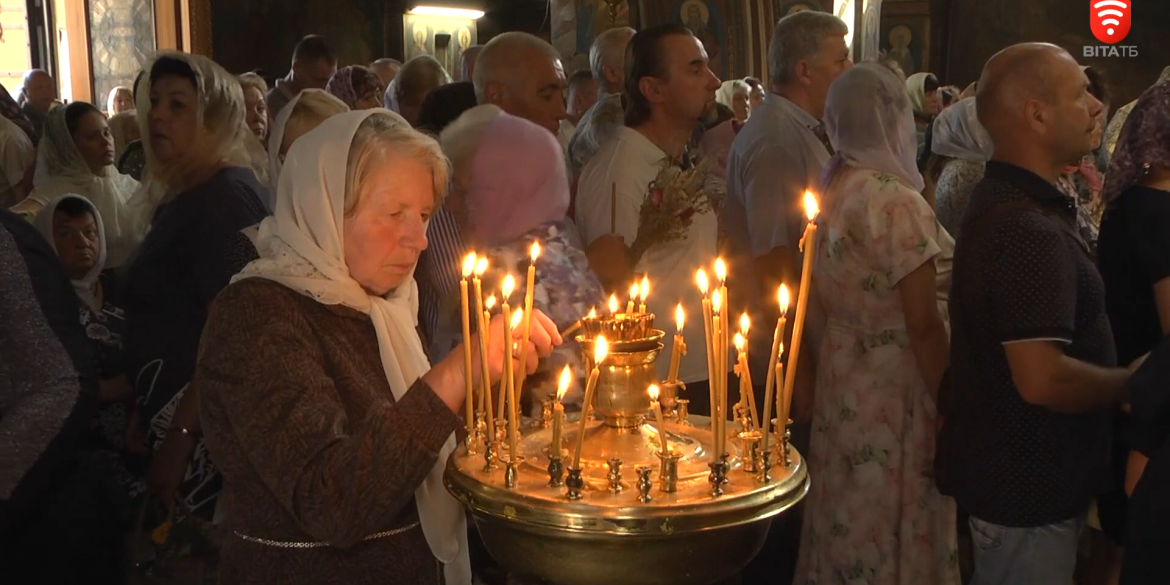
(511, 189)
(200, 191)
(330, 424)
(879, 253)
(736, 94)
(76, 155)
(359, 87)
(961, 148)
(923, 91)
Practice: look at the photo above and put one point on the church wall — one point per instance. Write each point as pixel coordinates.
(979, 28)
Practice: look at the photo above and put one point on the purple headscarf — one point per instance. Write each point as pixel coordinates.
(1144, 141)
(352, 82)
(518, 182)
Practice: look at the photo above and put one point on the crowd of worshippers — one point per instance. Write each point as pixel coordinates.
(229, 317)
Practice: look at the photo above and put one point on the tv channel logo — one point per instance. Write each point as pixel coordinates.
(1110, 20)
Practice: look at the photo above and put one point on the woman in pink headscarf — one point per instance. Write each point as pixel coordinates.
(510, 189)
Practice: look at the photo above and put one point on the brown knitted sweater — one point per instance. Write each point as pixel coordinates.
(313, 448)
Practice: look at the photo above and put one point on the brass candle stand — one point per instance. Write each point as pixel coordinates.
(684, 516)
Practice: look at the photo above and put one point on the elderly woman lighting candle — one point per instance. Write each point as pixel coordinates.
(330, 426)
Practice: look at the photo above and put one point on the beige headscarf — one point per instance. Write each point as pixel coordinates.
(84, 286)
(301, 247)
(225, 136)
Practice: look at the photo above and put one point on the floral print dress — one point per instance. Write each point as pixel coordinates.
(873, 515)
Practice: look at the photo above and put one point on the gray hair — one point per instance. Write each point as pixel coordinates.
(798, 37)
(380, 136)
(609, 50)
(419, 75)
(498, 61)
(252, 80)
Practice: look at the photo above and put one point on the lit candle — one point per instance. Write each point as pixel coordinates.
(489, 304)
(633, 297)
(773, 360)
(485, 378)
(508, 286)
(558, 419)
(747, 397)
(613, 306)
(721, 274)
(701, 280)
(533, 254)
(600, 350)
(469, 397)
(680, 346)
(808, 245)
(657, 408)
(643, 292)
(719, 380)
(511, 321)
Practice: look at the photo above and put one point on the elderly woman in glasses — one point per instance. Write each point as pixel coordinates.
(320, 407)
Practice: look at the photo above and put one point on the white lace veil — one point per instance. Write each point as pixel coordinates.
(301, 247)
(44, 224)
(869, 119)
(61, 170)
(958, 133)
(224, 136)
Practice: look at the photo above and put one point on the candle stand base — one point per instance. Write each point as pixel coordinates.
(556, 472)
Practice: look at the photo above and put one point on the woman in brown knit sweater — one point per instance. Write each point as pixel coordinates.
(319, 406)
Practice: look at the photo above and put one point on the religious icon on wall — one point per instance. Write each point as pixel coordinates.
(906, 39)
(696, 15)
(464, 39)
(593, 18)
(419, 35)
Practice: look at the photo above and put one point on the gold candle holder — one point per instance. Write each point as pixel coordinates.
(668, 472)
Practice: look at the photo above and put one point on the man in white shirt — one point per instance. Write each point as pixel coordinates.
(607, 59)
(779, 154)
(670, 87)
(522, 75)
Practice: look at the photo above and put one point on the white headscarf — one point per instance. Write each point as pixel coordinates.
(390, 96)
(276, 137)
(61, 170)
(958, 133)
(869, 120)
(301, 247)
(44, 224)
(916, 89)
(726, 92)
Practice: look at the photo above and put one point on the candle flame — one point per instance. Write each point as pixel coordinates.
(534, 251)
(701, 279)
(653, 390)
(782, 296)
(600, 350)
(481, 266)
(563, 383)
(644, 290)
(679, 317)
(716, 301)
(781, 352)
(592, 313)
(720, 270)
(517, 318)
(745, 323)
(508, 287)
(634, 291)
(490, 303)
(613, 304)
(738, 342)
(468, 265)
(810, 205)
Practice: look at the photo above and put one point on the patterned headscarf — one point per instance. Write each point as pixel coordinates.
(353, 82)
(1144, 141)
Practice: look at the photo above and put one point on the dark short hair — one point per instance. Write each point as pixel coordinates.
(444, 105)
(579, 78)
(930, 83)
(173, 67)
(646, 57)
(74, 207)
(313, 48)
(1098, 86)
(75, 111)
(753, 82)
